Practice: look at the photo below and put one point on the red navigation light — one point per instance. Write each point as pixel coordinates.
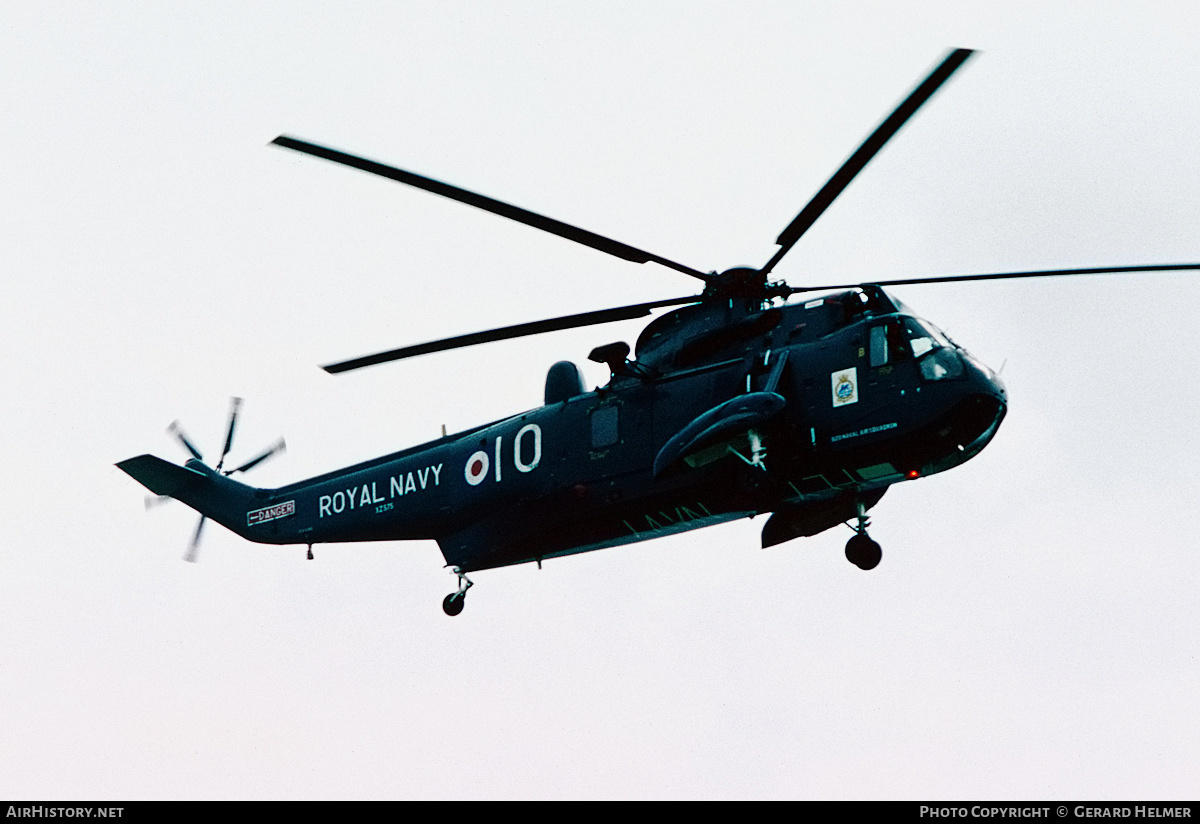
(913, 473)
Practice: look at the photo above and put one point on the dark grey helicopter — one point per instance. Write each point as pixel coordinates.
(735, 403)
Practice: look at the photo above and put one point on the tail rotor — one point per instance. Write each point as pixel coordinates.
(194, 545)
(177, 432)
(234, 405)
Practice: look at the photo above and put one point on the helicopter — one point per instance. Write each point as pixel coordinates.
(736, 402)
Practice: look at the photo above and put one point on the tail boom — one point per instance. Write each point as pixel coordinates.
(229, 503)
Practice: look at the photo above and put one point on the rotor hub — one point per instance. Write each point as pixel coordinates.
(744, 282)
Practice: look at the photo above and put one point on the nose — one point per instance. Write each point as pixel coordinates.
(991, 378)
(997, 385)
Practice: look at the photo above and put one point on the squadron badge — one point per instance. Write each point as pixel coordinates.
(845, 386)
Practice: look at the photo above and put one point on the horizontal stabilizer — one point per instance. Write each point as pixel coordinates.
(159, 476)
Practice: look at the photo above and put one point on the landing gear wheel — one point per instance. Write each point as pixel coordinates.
(871, 555)
(863, 552)
(854, 548)
(453, 603)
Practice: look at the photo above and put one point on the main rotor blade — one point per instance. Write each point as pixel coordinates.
(863, 155)
(1043, 273)
(506, 332)
(546, 224)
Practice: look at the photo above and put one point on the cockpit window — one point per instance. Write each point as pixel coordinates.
(925, 337)
(866, 302)
(827, 314)
(936, 355)
(889, 343)
(879, 347)
(921, 340)
(897, 340)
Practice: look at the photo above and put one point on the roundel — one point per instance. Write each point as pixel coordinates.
(477, 468)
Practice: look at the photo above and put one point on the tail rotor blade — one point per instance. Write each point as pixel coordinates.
(276, 448)
(194, 546)
(234, 404)
(175, 430)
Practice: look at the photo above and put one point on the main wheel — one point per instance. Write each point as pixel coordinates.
(453, 603)
(863, 552)
(871, 556)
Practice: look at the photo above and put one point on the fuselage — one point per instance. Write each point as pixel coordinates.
(872, 396)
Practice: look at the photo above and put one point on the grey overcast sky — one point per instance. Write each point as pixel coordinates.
(1032, 631)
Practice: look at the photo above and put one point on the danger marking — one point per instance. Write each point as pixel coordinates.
(270, 513)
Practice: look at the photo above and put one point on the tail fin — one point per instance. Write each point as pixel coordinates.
(161, 477)
(204, 490)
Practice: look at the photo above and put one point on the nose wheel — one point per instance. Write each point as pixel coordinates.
(861, 550)
(453, 603)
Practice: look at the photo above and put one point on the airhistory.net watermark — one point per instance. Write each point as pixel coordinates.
(43, 811)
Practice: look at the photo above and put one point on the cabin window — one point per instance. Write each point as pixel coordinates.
(604, 426)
